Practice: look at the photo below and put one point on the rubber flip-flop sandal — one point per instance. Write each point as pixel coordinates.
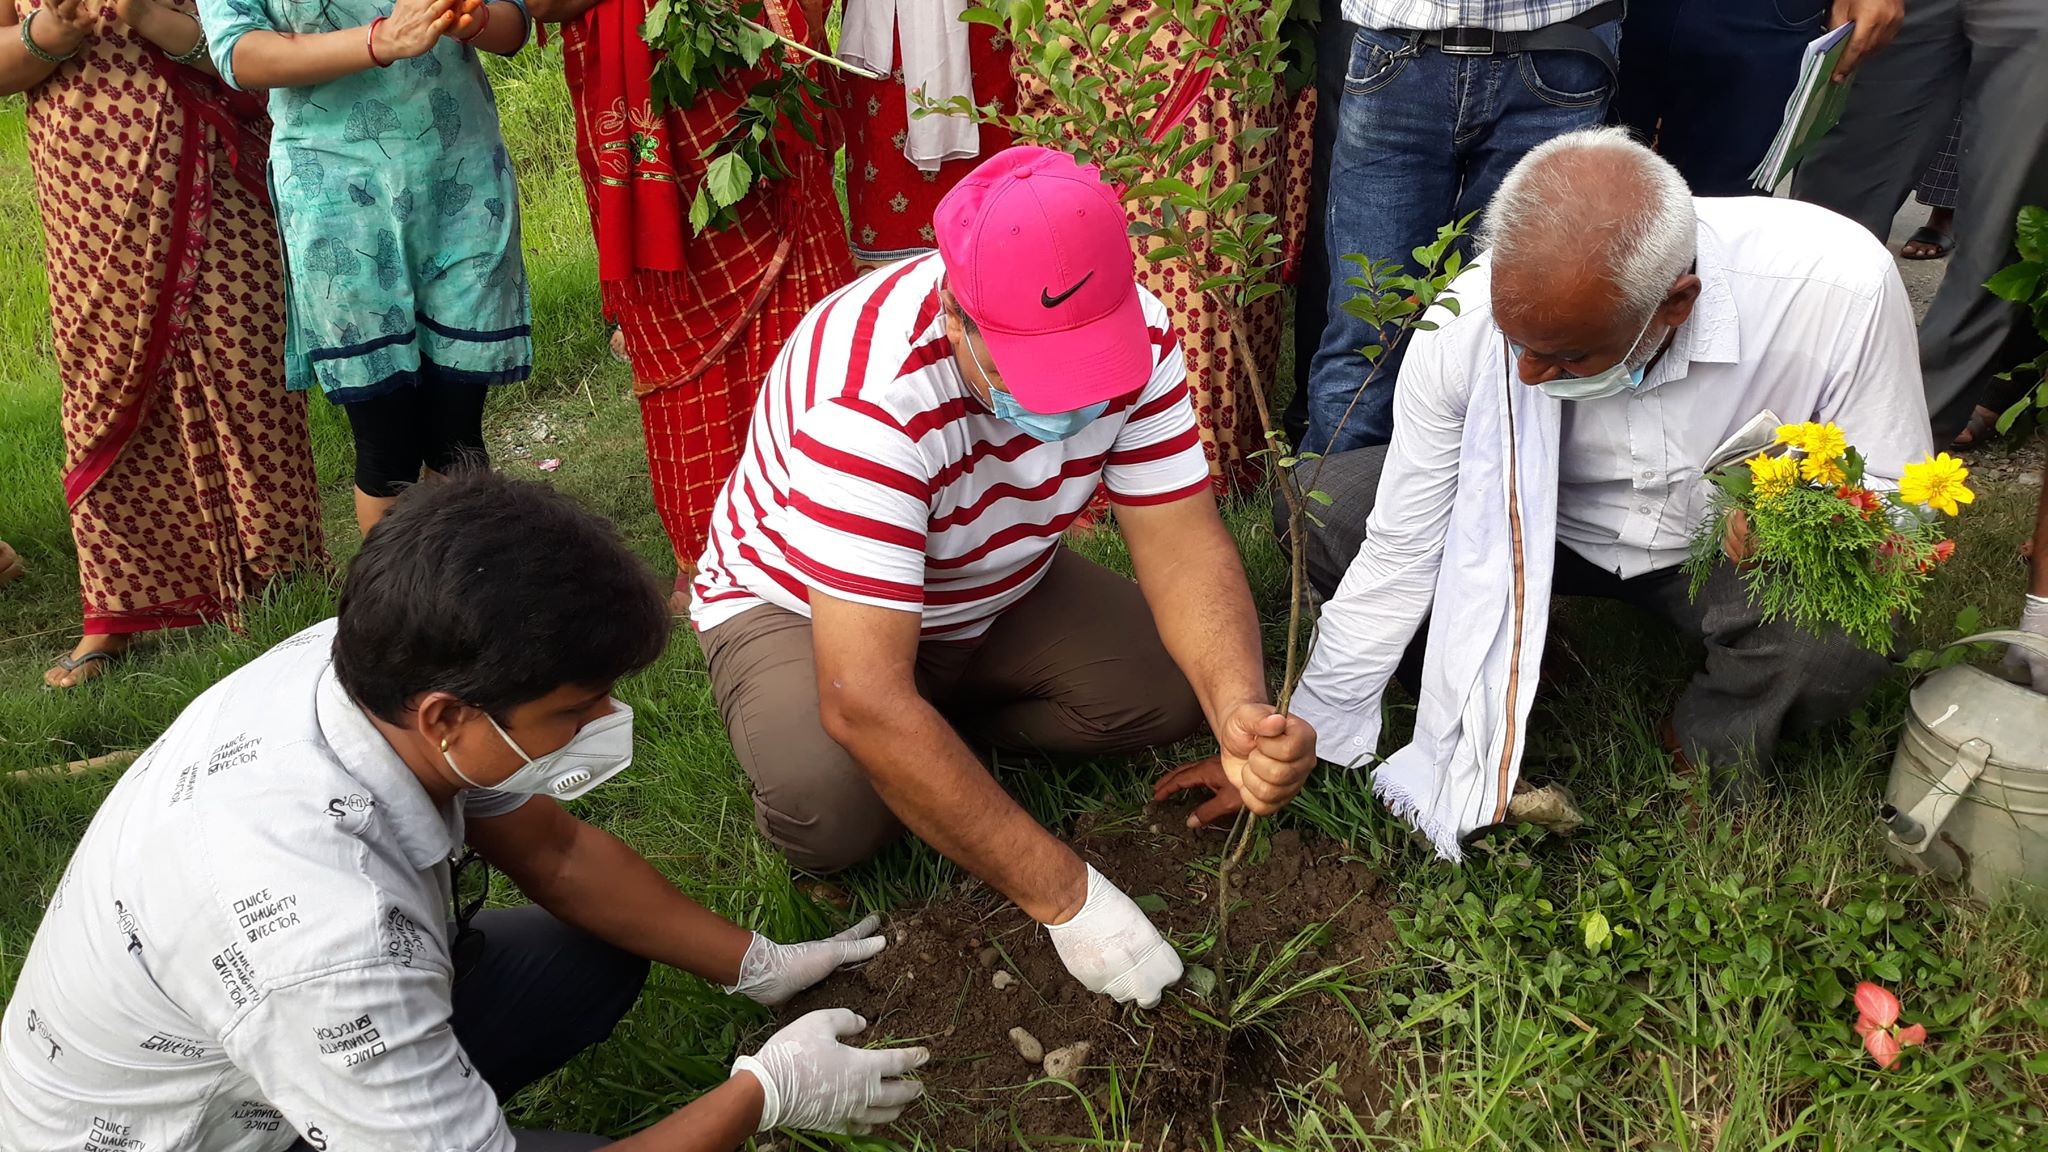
(1941, 242)
(74, 663)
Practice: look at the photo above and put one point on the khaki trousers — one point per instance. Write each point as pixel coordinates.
(1074, 668)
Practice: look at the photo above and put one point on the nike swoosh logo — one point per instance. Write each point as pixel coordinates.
(1051, 301)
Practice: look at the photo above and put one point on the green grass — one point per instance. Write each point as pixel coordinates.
(1712, 1017)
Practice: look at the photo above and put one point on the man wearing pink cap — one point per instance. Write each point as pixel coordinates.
(885, 570)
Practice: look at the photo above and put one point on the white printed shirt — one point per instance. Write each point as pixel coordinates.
(873, 474)
(1436, 15)
(1800, 313)
(250, 943)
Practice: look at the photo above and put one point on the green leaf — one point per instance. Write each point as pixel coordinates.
(1320, 497)
(2017, 283)
(1594, 930)
(1151, 903)
(728, 179)
(1165, 252)
(983, 16)
(2031, 236)
(700, 210)
(1200, 980)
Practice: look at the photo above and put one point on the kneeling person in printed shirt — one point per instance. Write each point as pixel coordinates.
(885, 565)
(261, 938)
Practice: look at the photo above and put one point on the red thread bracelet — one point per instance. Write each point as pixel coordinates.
(370, 43)
(481, 25)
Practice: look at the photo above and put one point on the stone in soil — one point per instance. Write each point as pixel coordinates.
(1027, 1046)
(1161, 1061)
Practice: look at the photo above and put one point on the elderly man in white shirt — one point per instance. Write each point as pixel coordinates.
(260, 942)
(1552, 437)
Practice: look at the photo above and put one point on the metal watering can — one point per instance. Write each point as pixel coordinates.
(1968, 796)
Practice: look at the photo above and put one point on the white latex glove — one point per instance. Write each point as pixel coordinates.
(1111, 947)
(2035, 620)
(772, 973)
(810, 1080)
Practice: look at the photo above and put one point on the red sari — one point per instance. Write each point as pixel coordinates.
(703, 316)
(889, 201)
(187, 471)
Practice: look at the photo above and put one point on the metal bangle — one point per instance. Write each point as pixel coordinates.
(197, 52)
(36, 50)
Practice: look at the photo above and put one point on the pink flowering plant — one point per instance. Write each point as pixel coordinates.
(1877, 1021)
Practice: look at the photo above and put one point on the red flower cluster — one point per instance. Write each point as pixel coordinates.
(1863, 499)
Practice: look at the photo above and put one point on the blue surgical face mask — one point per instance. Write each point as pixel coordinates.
(1599, 386)
(1051, 427)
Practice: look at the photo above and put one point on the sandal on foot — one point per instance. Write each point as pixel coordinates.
(68, 663)
(1942, 243)
(1981, 430)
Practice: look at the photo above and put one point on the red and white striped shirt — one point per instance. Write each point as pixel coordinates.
(873, 474)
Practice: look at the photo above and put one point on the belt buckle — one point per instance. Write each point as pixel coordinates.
(1466, 42)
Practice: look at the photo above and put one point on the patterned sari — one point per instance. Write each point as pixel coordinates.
(187, 466)
(1228, 417)
(703, 315)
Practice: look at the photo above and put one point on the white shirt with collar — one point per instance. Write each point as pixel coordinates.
(1801, 312)
(250, 943)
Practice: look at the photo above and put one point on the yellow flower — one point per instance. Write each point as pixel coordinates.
(1938, 482)
(1772, 476)
(1824, 470)
(1823, 442)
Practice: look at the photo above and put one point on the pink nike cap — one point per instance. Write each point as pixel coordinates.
(1036, 252)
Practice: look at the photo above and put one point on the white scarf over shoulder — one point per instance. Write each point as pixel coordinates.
(1479, 674)
(935, 62)
(1491, 613)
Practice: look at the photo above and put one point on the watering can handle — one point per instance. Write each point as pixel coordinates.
(2011, 637)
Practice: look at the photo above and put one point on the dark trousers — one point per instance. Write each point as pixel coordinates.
(434, 424)
(1422, 138)
(540, 993)
(1988, 59)
(1708, 81)
(1074, 668)
(1762, 682)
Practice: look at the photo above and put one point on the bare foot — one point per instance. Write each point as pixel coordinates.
(10, 565)
(88, 661)
(619, 346)
(679, 601)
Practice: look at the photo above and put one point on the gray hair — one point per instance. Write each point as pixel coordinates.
(1599, 192)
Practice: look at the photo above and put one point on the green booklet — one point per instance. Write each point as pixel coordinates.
(1813, 109)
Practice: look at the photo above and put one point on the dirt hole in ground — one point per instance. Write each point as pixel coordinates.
(1147, 1076)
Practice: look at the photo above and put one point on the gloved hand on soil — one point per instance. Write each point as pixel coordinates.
(1111, 947)
(810, 1080)
(772, 974)
(2035, 620)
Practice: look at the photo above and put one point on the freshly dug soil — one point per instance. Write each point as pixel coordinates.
(1149, 1077)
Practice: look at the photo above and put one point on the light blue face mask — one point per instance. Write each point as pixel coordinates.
(1051, 427)
(1599, 386)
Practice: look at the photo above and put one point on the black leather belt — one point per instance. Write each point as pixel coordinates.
(1573, 35)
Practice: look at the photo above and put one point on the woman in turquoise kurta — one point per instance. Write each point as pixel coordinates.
(407, 292)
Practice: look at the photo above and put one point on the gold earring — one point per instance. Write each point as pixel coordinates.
(444, 743)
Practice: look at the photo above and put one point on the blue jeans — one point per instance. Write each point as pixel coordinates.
(1424, 138)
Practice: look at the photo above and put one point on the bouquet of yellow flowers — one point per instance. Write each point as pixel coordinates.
(1823, 549)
